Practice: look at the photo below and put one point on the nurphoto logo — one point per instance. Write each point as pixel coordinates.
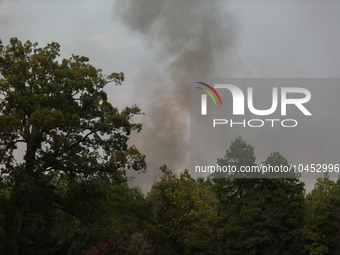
(287, 96)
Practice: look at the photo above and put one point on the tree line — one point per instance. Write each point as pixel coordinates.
(69, 192)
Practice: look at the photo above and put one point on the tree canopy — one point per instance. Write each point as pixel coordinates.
(57, 111)
(60, 112)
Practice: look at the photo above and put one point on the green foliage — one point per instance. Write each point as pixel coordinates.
(57, 111)
(259, 216)
(322, 230)
(184, 213)
(240, 153)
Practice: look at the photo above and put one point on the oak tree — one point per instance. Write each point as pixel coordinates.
(55, 111)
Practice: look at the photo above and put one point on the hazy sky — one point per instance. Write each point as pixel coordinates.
(162, 45)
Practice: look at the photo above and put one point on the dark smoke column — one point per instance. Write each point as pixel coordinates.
(190, 35)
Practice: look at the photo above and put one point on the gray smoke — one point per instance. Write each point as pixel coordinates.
(189, 36)
(7, 16)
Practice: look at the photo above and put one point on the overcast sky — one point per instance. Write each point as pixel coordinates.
(162, 45)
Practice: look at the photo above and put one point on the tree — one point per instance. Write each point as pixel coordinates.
(119, 220)
(58, 113)
(282, 209)
(237, 200)
(322, 229)
(183, 215)
(258, 215)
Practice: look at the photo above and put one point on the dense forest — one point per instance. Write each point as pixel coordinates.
(69, 192)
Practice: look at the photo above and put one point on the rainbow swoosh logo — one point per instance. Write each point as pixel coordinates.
(209, 93)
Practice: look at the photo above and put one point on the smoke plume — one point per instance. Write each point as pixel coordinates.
(189, 36)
